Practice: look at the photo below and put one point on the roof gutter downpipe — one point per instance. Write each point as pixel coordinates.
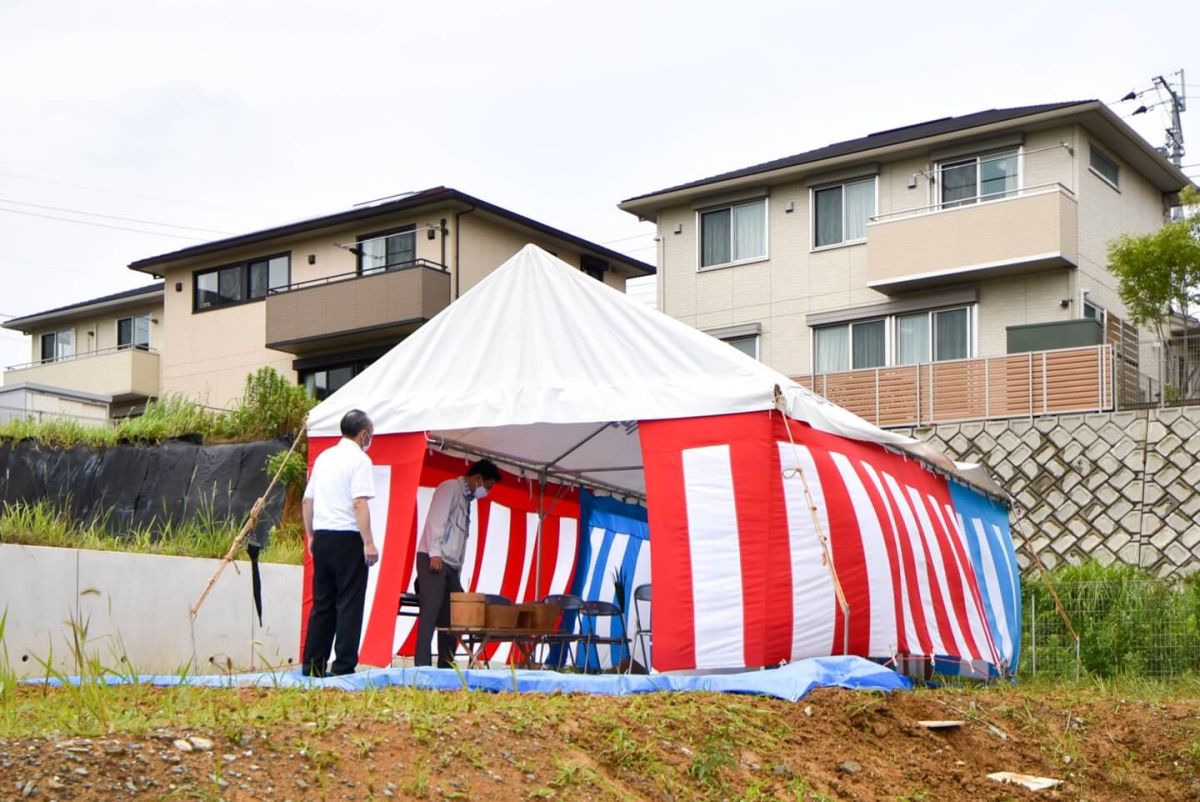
(458, 239)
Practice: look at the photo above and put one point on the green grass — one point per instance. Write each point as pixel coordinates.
(1129, 623)
(41, 524)
(270, 407)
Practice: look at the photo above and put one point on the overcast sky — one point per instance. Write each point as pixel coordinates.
(232, 116)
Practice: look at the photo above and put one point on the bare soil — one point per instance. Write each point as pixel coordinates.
(412, 745)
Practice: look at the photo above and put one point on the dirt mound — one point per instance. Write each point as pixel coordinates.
(406, 744)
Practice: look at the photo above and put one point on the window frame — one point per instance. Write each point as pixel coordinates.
(813, 247)
(243, 268)
(1093, 152)
(849, 326)
(56, 334)
(1102, 317)
(132, 345)
(891, 337)
(936, 202)
(766, 204)
(409, 228)
(729, 340)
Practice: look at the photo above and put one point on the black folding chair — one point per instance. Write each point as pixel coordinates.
(570, 605)
(591, 613)
(642, 631)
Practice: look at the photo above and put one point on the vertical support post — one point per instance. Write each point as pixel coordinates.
(1033, 634)
(932, 393)
(917, 368)
(1030, 358)
(1044, 383)
(987, 388)
(876, 396)
(537, 552)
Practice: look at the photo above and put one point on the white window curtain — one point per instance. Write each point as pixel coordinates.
(141, 331)
(374, 255)
(750, 231)
(912, 339)
(833, 349)
(860, 207)
(828, 225)
(64, 344)
(279, 272)
(869, 344)
(714, 238)
(951, 333)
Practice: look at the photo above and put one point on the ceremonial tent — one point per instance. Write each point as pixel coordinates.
(780, 526)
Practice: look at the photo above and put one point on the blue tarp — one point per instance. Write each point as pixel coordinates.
(791, 682)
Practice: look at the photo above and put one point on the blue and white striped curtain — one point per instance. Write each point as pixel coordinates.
(616, 539)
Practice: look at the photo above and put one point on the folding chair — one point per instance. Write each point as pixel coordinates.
(641, 632)
(570, 605)
(591, 612)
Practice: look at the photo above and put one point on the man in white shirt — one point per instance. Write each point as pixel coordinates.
(337, 523)
(440, 552)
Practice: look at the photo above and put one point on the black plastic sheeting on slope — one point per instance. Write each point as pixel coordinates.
(131, 487)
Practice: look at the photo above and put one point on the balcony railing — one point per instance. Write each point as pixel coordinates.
(1017, 385)
(125, 373)
(58, 360)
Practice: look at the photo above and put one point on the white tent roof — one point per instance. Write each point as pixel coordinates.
(542, 366)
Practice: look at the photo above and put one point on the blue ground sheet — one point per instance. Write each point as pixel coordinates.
(790, 682)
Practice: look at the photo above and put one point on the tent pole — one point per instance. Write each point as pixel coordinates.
(537, 571)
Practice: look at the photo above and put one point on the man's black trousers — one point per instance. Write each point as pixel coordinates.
(339, 588)
(434, 591)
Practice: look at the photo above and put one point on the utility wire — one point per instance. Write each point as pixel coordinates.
(126, 194)
(626, 239)
(102, 225)
(112, 216)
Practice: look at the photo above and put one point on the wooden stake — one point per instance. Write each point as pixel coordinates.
(251, 520)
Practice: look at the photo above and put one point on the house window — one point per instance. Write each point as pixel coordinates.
(851, 346)
(1104, 167)
(134, 332)
(932, 336)
(386, 250)
(841, 212)
(58, 345)
(977, 178)
(593, 266)
(747, 344)
(323, 382)
(733, 234)
(245, 281)
(1093, 311)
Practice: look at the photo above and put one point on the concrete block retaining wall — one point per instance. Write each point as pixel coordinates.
(1118, 486)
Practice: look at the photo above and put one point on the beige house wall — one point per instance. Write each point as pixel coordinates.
(210, 353)
(99, 332)
(794, 280)
(1136, 208)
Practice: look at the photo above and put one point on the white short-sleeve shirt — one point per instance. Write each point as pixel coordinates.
(339, 475)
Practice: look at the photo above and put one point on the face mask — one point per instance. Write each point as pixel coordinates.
(366, 446)
(481, 492)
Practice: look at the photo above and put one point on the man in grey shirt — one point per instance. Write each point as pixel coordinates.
(440, 552)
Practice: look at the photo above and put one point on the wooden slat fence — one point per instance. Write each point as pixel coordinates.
(1017, 385)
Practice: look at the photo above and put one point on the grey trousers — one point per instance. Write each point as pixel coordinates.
(433, 590)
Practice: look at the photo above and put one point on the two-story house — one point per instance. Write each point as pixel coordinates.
(89, 360)
(321, 298)
(972, 241)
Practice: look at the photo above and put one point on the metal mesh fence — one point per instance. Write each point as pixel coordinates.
(1141, 627)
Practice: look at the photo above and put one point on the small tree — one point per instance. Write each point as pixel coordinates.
(1159, 273)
